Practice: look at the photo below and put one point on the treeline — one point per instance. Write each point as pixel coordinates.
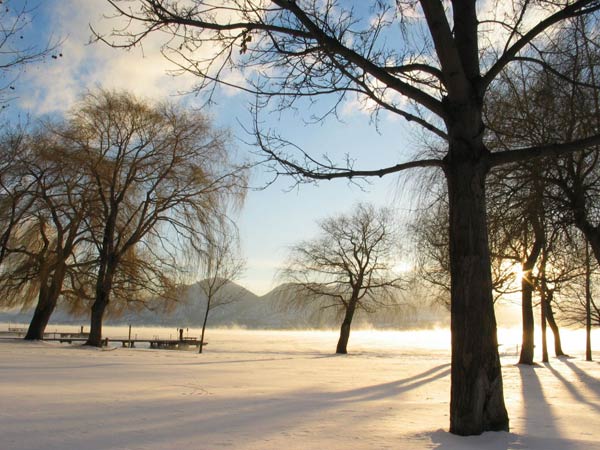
(110, 206)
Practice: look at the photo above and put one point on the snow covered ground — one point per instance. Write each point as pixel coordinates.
(280, 390)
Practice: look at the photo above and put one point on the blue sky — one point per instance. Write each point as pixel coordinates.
(272, 219)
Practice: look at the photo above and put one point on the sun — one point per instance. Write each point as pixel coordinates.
(519, 273)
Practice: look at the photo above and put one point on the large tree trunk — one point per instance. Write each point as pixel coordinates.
(47, 301)
(41, 316)
(527, 340)
(477, 401)
(103, 289)
(342, 345)
(527, 343)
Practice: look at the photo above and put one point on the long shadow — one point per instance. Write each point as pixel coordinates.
(535, 405)
(578, 396)
(492, 440)
(393, 388)
(215, 417)
(592, 382)
(248, 360)
(539, 424)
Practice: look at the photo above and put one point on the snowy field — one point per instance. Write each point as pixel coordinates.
(281, 390)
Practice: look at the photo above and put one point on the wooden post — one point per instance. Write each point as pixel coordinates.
(129, 335)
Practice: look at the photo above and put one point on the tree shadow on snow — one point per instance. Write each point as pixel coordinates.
(592, 383)
(500, 440)
(539, 430)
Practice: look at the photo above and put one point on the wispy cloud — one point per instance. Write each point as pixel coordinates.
(56, 85)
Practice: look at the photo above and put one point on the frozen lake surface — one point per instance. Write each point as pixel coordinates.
(281, 390)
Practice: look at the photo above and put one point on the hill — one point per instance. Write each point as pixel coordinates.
(274, 310)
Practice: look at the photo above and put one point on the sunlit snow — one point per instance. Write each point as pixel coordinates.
(282, 390)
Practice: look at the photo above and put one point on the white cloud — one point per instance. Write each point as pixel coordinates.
(56, 85)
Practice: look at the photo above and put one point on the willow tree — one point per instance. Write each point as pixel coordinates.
(43, 202)
(62, 201)
(429, 62)
(162, 180)
(15, 186)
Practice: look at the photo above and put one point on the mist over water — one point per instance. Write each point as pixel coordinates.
(435, 340)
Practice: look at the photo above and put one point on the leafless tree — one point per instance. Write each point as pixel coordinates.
(63, 201)
(516, 197)
(568, 110)
(15, 185)
(557, 272)
(220, 265)
(162, 178)
(45, 226)
(578, 304)
(429, 62)
(348, 266)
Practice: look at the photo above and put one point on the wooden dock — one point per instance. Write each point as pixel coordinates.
(183, 343)
(168, 344)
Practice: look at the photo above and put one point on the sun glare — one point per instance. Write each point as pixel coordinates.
(402, 267)
(519, 272)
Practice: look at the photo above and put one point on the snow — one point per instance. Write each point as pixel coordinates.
(279, 390)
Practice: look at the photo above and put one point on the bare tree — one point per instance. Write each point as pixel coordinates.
(570, 184)
(220, 266)
(348, 266)
(63, 202)
(15, 184)
(45, 225)
(516, 198)
(162, 178)
(578, 304)
(427, 63)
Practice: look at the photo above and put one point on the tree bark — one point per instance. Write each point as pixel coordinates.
(477, 401)
(527, 343)
(543, 324)
(97, 316)
(103, 289)
(41, 316)
(549, 313)
(47, 301)
(342, 345)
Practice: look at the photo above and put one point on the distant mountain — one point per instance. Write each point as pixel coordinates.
(277, 309)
